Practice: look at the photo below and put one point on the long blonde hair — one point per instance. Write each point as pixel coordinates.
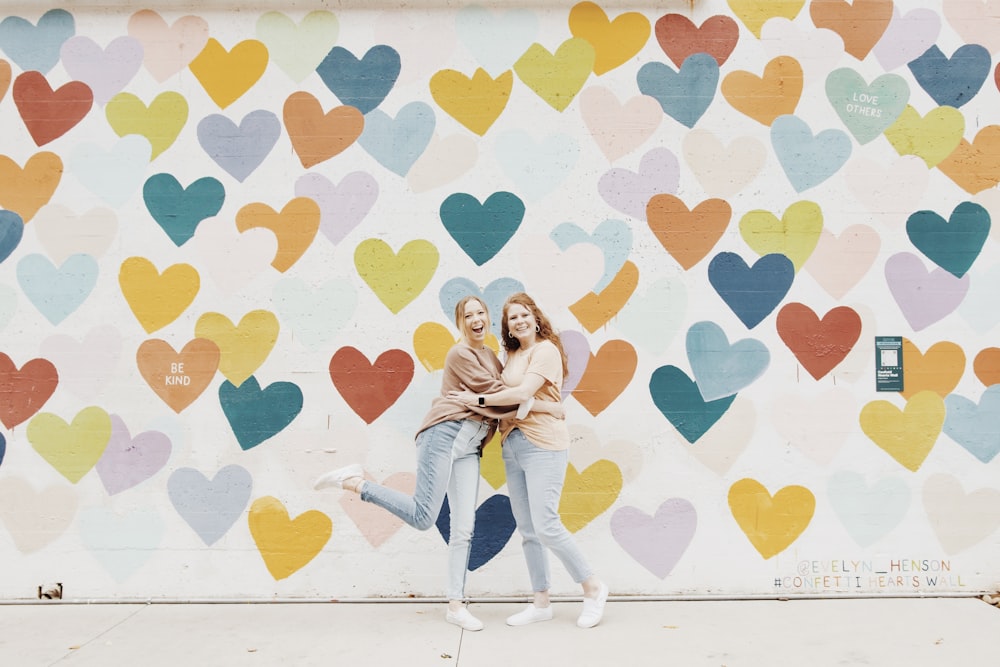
(460, 312)
(545, 330)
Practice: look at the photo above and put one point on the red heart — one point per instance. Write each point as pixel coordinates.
(24, 392)
(50, 114)
(370, 389)
(819, 345)
(679, 37)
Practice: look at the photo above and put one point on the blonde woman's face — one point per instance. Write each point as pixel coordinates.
(475, 322)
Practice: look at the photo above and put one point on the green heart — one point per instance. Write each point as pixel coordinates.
(72, 449)
(795, 236)
(867, 110)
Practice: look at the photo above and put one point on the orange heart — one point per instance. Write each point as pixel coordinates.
(226, 75)
(474, 102)
(987, 366)
(938, 370)
(615, 41)
(687, 235)
(594, 310)
(860, 24)
(606, 376)
(766, 97)
(295, 227)
(317, 136)
(975, 167)
(24, 191)
(157, 299)
(178, 378)
(4, 77)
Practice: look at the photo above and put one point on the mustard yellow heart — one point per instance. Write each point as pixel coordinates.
(614, 41)
(160, 123)
(491, 465)
(755, 13)
(74, 448)
(795, 235)
(227, 75)
(242, 348)
(396, 279)
(907, 435)
(474, 102)
(287, 544)
(771, 523)
(157, 299)
(588, 494)
(932, 137)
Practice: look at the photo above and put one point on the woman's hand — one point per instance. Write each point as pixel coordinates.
(465, 397)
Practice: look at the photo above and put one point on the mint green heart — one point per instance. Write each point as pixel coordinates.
(867, 110)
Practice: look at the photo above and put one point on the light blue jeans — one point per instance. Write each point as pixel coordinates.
(447, 462)
(535, 479)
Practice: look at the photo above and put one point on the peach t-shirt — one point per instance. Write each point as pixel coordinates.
(540, 428)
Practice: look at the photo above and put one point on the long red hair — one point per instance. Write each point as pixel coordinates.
(545, 330)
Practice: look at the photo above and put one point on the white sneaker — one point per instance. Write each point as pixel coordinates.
(464, 619)
(529, 615)
(336, 478)
(593, 608)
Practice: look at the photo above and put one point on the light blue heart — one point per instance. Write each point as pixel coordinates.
(808, 160)
(537, 168)
(397, 143)
(867, 110)
(721, 369)
(651, 320)
(975, 427)
(496, 40)
(36, 48)
(613, 237)
(121, 544)
(210, 506)
(113, 175)
(868, 512)
(239, 149)
(315, 314)
(494, 295)
(684, 95)
(57, 292)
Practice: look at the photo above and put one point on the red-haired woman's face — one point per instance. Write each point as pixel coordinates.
(521, 323)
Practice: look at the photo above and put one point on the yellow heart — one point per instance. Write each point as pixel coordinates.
(295, 227)
(755, 13)
(287, 544)
(907, 435)
(476, 103)
(932, 137)
(557, 78)
(431, 342)
(160, 123)
(72, 449)
(795, 236)
(615, 41)
(226, 75)
(491, 465)
(157, 299)
(586, 495)
(396, 279)
(242, 348)
(771, 524)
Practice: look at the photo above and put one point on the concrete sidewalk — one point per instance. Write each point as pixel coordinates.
(760, 633)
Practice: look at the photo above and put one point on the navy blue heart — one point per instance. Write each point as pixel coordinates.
(494, 526)
(751, 292)
(11, 231)
(683, 95)
(952, 244)
(179, 210)
(679, 400)
(481, 230)
(952, 82)
(362, 84)
(257, 414)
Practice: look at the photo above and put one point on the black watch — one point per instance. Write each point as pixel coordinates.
(482, 401)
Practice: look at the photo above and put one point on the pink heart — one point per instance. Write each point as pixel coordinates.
(924, 297)
(907, 37)
(106, 71)
(128, 461)
(656, 542)
(343, 206)
(168, 49)
(629, 191)
(619, 128)
(839, 262)
(376, 524)
(85, 367)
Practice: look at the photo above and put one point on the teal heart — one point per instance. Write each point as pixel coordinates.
(11, 232)
(613, 237)
(57, 292)
(952, 244)
(257, 414)
(680, 401)
(481, 230)
(721, 369)
(684, 95)
(179, 210)
(975, 427)
(867, 110)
